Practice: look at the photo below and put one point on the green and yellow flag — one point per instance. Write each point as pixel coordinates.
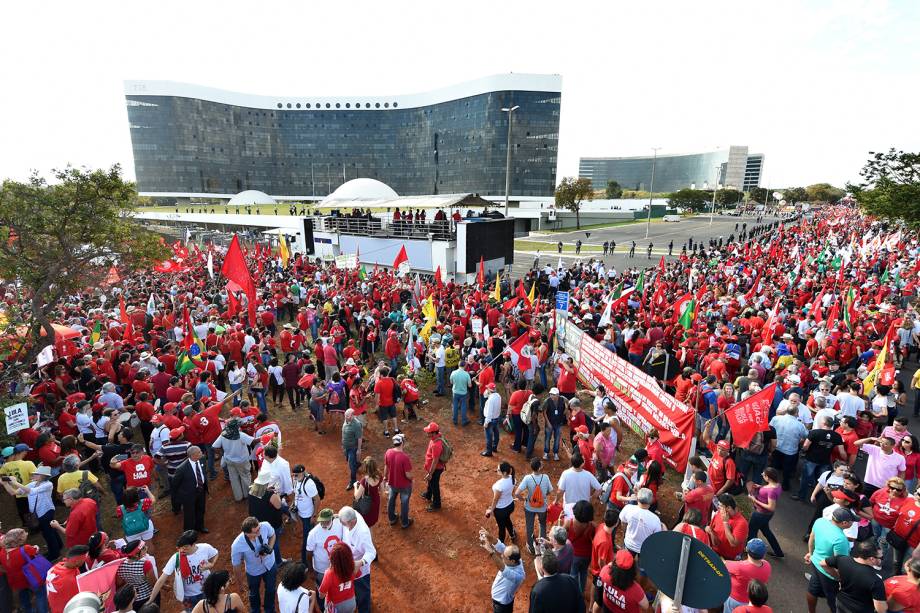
(184, 364)
(96, 334)
(689, 314)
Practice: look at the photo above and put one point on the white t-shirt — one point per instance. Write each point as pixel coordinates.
(193, 582)
(287, 600)
(303, 497)
(640, 524)
(158, 438)
(577, 485)
(505, 489)
(320, 542)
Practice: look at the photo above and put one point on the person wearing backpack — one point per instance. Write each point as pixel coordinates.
(437, 455)
(21, 575)
(534, 490)
(134, 514)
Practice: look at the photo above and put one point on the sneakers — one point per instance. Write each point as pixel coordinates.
(556, 456)
(545, 456)
(531, 550)
(411, 521)
(486, 454)
(431, 508)
(386, 433)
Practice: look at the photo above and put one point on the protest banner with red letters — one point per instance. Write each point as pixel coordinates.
(641, 404)
(750, 416)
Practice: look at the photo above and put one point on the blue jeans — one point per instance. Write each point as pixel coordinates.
(750, 463)
(307, 526)
(394, 362)
(260, 400)
(810, 472)
(404, 494)
(542, 371)
(41, 600)
(439, 372)
(255, 606)
(580, 571)
(234, 387)
(117, 484)
(459, 402)
(492, 435)
(278, 532)
(208, 452)
(52, 537)
(532, 435)
(363, 594)
(553, 431)
(351, 454)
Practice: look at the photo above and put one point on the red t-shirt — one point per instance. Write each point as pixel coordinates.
(138, 474)
(516, 401)
(12, 562)
(903, 591)
(384, 389)
(908, 515)
(207, 424)
(885, 507)
(398, 464)
(336, 591)
(601, 550)
(567, 381)
(750, 608)
(694, 531)
(81, 523)
(700, 498)
(62, 586)
(620, 486)
(615, 599)
(739, 527)
(409, 390)
(581, 537)
(720, 470)
(742, 573)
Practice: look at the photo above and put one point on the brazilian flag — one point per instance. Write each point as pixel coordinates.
(184, 364)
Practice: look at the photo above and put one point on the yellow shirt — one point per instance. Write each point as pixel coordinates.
(72, 480)
(20, 470)
(915, 381)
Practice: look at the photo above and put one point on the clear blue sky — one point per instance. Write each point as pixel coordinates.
(813, 85)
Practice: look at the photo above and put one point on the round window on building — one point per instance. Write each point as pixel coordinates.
(386, 105)
(328, 106)
(395, 105)
(308, 105)
(298, 105)
(289, 105)
(280, 105)
(337, 105)
(347, 105)
(377, 105)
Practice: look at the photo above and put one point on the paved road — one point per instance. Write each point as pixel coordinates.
(787, 583)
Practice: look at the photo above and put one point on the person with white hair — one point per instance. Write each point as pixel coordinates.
(640, 521)
(357, 535)
(110, 398)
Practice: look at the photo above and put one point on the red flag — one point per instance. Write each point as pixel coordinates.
(100, 580)
(129, 325)
(520, 291)
(840, 274)
(517, 347)
(235, 269)
(750, 295)
(481, 277)
(437, 278)
(661, 266)
(678, 306)
(750, 416)
(509, 304)
(816, 307)
(833, 316)
(771, 321)
(401, 257)
(233, 303)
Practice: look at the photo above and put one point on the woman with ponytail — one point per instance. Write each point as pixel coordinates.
(503, 501)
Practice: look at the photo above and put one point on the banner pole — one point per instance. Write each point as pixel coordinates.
(681, 571)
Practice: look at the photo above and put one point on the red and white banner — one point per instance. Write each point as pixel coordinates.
(102, 581)
(641, 404)
(750, 416)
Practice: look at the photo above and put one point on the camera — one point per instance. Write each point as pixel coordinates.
(264, 550)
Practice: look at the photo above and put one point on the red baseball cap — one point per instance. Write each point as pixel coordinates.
(432, 427)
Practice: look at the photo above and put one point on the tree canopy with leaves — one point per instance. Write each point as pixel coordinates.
(571, 192)
(696, 200)
(890, 186)
(824, 192)
(614, 190)
(60, 238)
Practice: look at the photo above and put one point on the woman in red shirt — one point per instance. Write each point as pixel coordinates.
(580, 528)
(338, 585)
(886, 503)
(910, 449)
(13, 561)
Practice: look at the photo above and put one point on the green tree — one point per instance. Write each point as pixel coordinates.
(728, 197)
(824, 192)
(794, 194)
(571, 192)
(695, 200)
(60, 238)
(614, 190)
(759, 194)
(890, 186)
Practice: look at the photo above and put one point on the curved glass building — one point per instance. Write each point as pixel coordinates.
(193, 141)
(732, 167)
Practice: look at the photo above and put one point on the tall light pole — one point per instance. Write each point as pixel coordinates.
(651, 191)
(715, 188)
(510, 112)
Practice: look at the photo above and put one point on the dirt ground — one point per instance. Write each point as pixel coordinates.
(437, 561)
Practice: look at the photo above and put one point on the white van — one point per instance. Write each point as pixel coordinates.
(671, 218)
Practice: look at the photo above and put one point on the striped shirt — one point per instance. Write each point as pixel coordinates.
(174, 454)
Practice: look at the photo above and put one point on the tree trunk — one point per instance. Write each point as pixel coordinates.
(578, 217)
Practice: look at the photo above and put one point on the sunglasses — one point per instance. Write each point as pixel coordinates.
(896, 489)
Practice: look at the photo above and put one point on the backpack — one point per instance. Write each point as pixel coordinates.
(134, 522)
(737, 486)
(87, 489)
(607, 489)
(320, 488)
(536, 500)
(447, 452)
(527, 410)
(756, 446)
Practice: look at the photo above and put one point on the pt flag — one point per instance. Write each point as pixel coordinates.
(235, 269)
(401, 263)
(750, 416)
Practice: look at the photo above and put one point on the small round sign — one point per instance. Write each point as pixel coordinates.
(707, 583)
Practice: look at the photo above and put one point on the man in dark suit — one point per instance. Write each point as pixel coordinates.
(190, 489)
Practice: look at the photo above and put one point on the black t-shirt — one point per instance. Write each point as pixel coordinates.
(860, 584)
(822, 445)
(555, 411)
(109, 451)
(556, 593)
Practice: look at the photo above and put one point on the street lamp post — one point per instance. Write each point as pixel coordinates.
(715, 188)
(510, 111)
(651, 192)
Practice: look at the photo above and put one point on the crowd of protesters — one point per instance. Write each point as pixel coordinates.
(175, 381)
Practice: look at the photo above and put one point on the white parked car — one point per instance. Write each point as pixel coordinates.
(671, 218)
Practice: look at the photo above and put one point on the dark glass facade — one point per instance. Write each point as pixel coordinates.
(188, 145)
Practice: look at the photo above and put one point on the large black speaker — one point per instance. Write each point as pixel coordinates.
(489, 240)
(308, 236)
